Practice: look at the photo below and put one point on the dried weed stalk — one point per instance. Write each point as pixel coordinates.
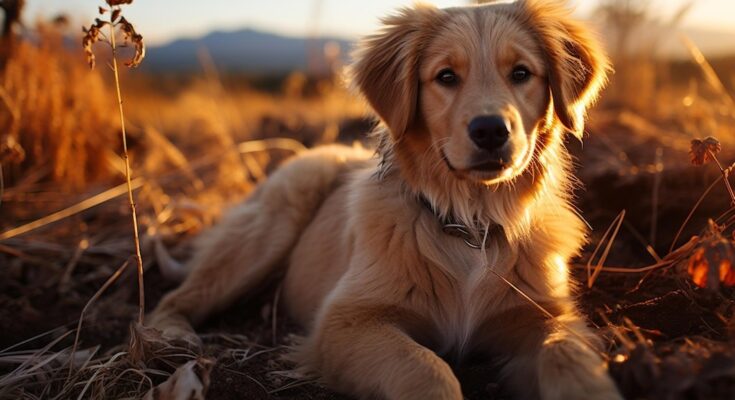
(711, 263)
(706, 150)
(95, 34)
(710, 257)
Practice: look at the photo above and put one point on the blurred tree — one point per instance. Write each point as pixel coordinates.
(12, 10)
(635, 69)
(624, 17)
(314, 61)
(635, 34)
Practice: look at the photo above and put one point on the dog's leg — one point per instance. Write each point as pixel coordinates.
(232, 259)
(364, 354)
(560, 360)
(244, 249)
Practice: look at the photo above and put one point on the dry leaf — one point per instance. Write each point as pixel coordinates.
(727, 273)
(698, 268)
(115, 14)
(703, 150)
(711, 264)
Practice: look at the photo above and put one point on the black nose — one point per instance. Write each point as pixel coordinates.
(489, 132)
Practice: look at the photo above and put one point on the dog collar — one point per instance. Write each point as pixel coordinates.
(473, 237)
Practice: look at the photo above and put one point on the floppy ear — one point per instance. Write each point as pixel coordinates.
(386, 65)
(577, 64)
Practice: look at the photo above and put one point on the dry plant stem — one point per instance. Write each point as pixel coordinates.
(136, 237)
(670, 260)
(726, 216)
(33, 363)
(710, 74)
(57, 330)
(637, 235)
(622, 270)
(725, 176)
(534, 303)
(2, 185)
(72, 210)
(91, 301)
(65, 281)
(614, 228)
(550, 315)
(253, 146)
(691, 213)
(658, 162)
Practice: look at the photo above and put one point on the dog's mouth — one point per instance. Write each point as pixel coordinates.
(491, 165)
(484, 165)
(486, 171)
(491, 168)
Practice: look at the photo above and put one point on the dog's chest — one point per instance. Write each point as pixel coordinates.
(476, 294)
(459, 287)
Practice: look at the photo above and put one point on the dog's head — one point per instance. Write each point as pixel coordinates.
(480, 90)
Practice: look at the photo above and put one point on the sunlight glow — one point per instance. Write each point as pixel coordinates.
(165, 20)
(559, 276)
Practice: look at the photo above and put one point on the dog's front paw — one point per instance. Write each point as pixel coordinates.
(175, 330)
(182, 338)
(570, 370)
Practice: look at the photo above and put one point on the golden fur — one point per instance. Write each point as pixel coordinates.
(384, 295)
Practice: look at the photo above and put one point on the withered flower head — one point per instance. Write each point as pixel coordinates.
(92, 36)
(703, 150)
(135, 38)
(113, 3)
(711, 264)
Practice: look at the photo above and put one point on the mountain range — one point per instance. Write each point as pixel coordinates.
(244, 50)
(253, 51)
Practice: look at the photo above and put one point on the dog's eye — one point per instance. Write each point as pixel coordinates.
(447, 77)
(520, 74)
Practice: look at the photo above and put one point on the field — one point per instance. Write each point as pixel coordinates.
(201, 143)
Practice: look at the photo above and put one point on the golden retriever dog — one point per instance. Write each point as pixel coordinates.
(453, 240)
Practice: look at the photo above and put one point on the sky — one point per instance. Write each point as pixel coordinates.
(164, 20)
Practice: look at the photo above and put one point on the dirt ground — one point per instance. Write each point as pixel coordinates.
(667, 338)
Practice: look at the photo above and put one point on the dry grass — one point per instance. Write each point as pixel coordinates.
(64, 132)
